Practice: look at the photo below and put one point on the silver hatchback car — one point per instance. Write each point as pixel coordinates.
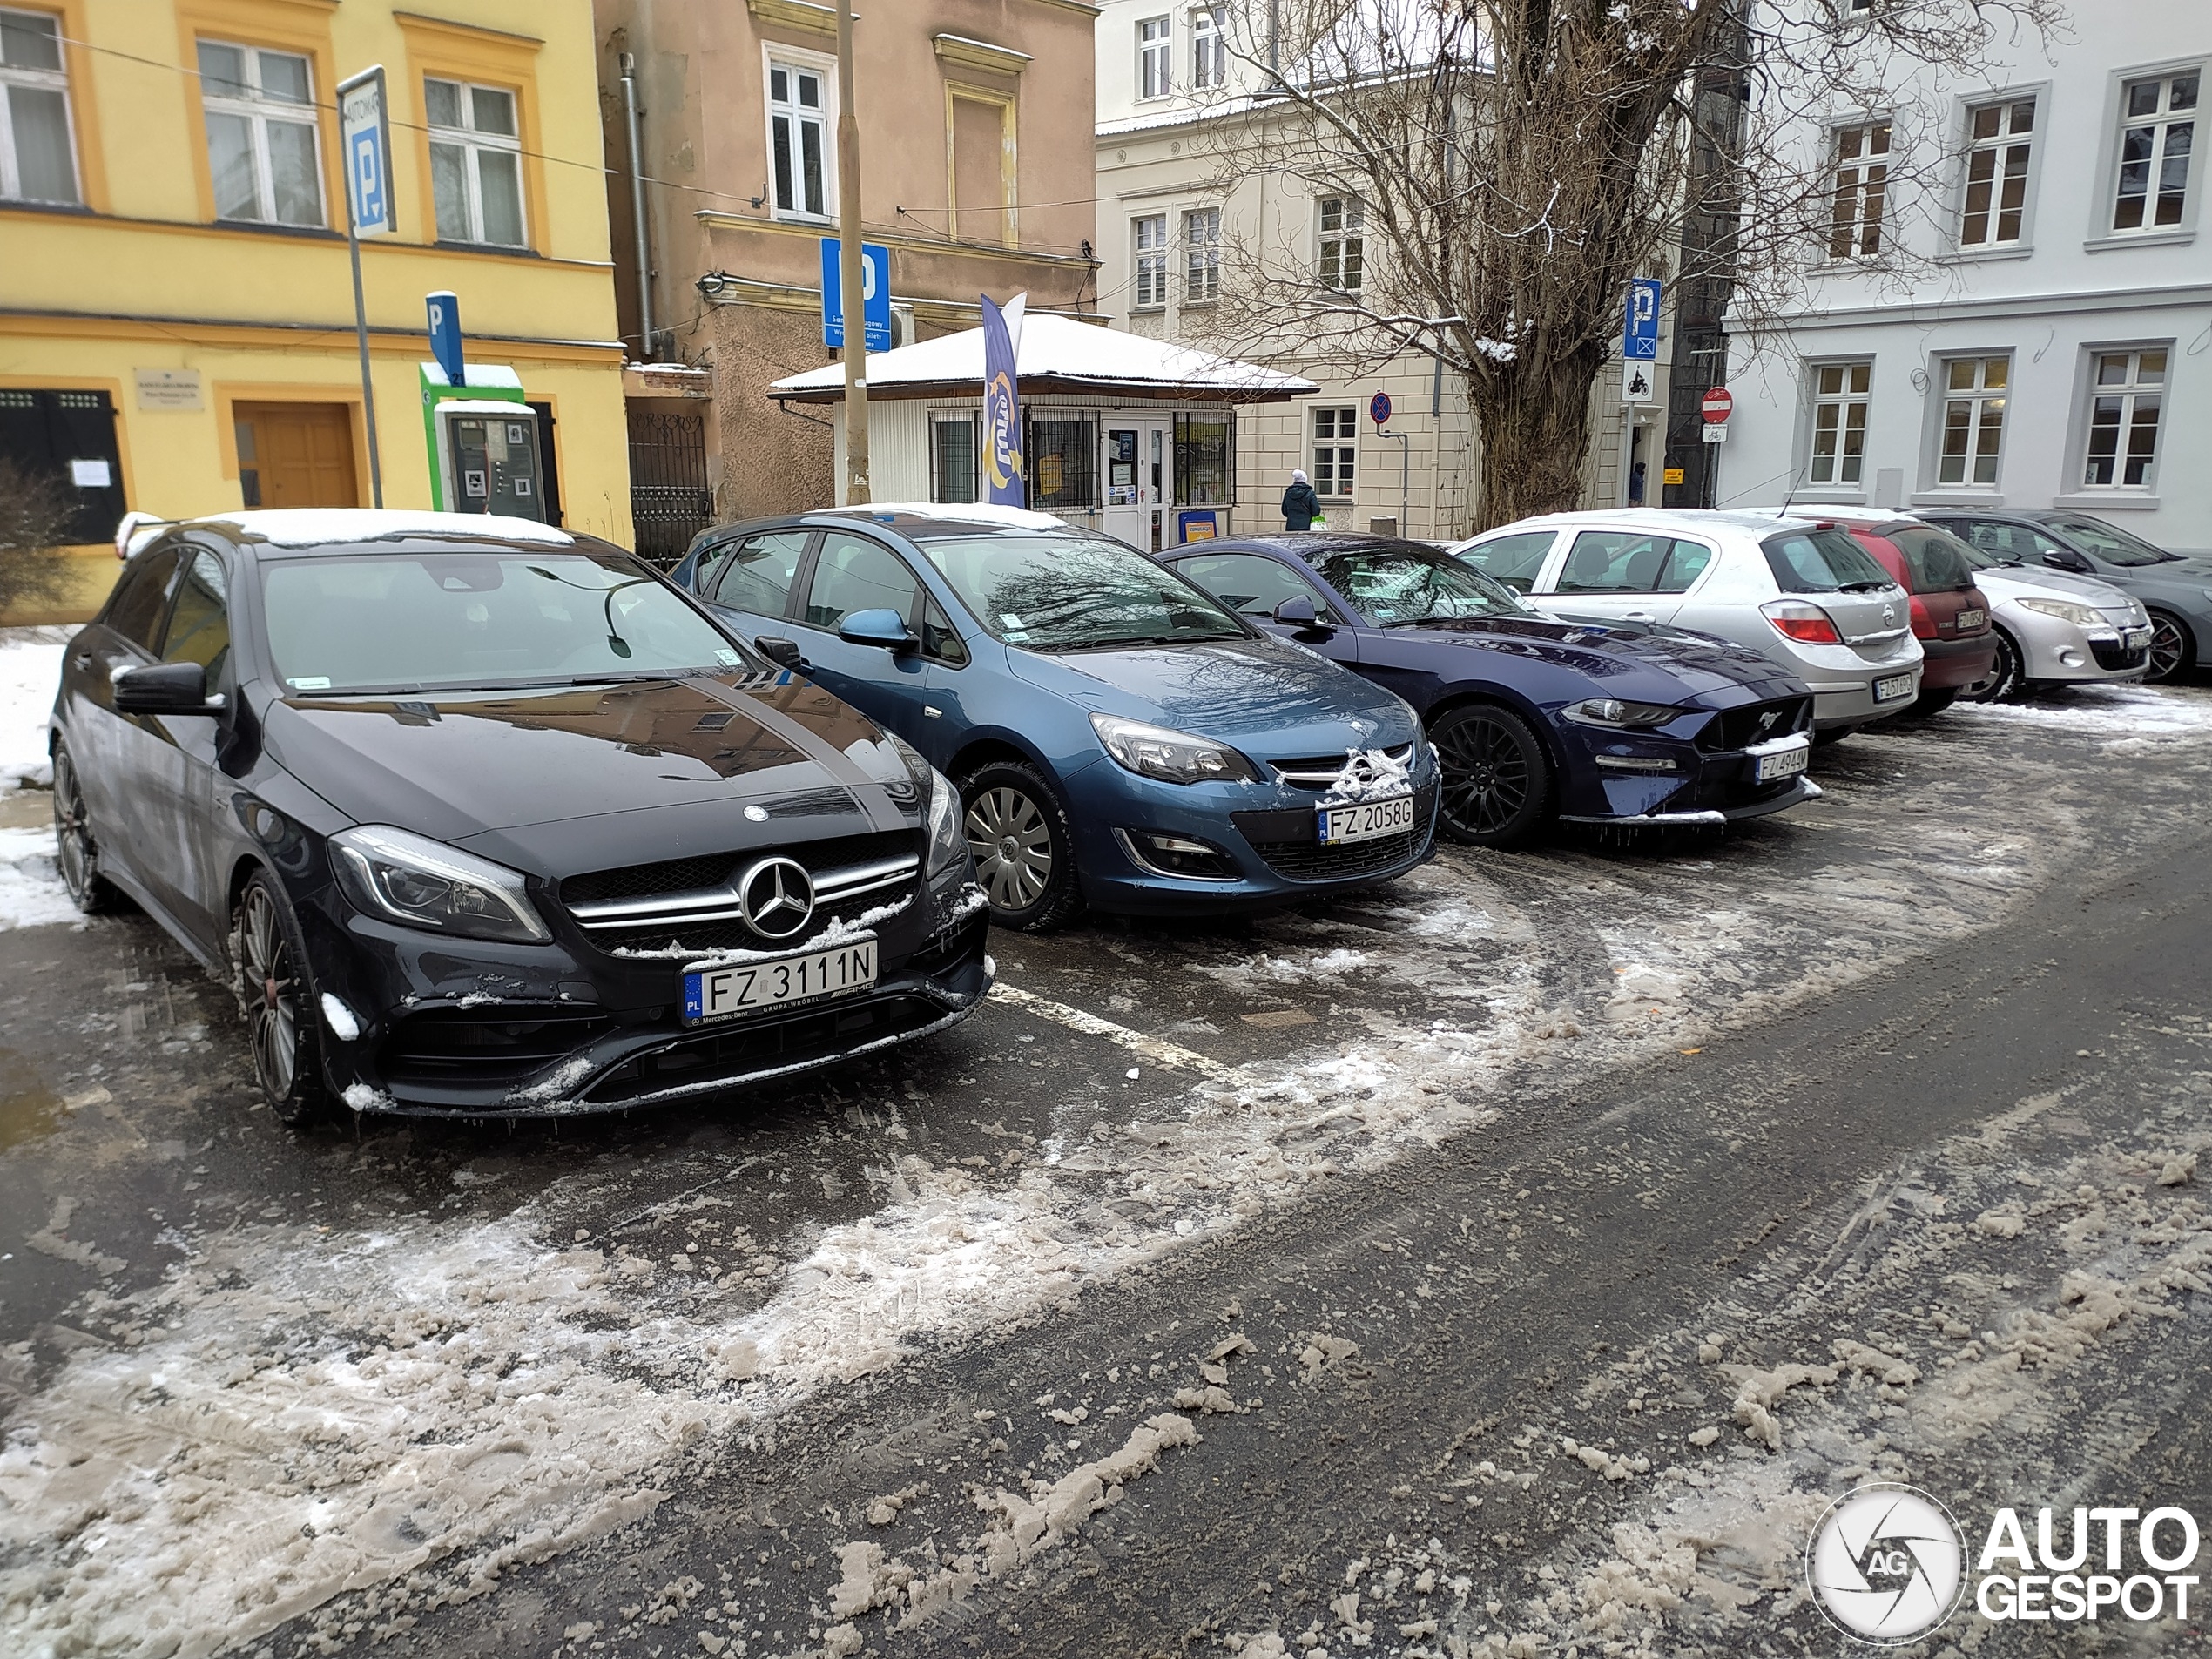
(1802, 593)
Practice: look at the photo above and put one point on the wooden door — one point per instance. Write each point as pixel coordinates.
(297, 454)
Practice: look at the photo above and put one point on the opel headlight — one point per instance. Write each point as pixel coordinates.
(418, 882)
(2065, 610)
(948, 841)
(1612, 711)
(1177, 757)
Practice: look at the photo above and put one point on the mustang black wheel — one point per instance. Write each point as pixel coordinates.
(2173, 652)
(75, 850)
(1025, 853)
(278, 1001)
(2003, 681)
(1497, 784)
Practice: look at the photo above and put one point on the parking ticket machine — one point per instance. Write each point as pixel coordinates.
(488, 458)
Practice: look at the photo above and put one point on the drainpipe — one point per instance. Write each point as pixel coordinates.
(637, 206)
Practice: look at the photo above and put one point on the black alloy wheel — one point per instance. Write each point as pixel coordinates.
(2173, 652)
(1497, 783)
(75, 851)
(1025, 850)
(278, 1001)
(2003, 682)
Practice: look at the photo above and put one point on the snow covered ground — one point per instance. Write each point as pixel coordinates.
(299, 1406)
(31, 668)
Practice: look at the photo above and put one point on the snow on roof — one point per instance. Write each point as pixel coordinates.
(975, 512)
(1055, 352)
(322, 526)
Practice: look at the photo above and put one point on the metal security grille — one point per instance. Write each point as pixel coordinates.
(669, 500)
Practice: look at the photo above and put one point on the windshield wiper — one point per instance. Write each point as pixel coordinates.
(1865, 587)
(1121, 641)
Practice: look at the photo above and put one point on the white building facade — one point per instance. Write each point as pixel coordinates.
(1171, 96)
(2047, 341)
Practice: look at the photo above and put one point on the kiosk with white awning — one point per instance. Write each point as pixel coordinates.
(1131, 435)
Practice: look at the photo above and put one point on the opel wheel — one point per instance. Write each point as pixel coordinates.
(1024, 849)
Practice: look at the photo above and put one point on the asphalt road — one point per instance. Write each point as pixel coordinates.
(1517, 1179)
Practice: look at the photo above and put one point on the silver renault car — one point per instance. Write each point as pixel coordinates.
(1801, 592)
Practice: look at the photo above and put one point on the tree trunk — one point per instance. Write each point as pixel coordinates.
(1534, 419)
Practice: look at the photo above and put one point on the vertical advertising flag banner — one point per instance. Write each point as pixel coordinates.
(1002, 403)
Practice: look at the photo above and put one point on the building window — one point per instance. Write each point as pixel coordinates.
(1208, 49)
(1998, 145)
(2157, 132)
(259, 108)
(1151, 237)
(954, 443)
(1202, 255)
(1862, 179)
(2123, 419)
(1153, 45)
(1336, 448)
(1205, 456)
(37, 159)
(1973, 420)
(1061, 455)
(798, 137)
(476, 162)
(1839, 397)
(1344, 244)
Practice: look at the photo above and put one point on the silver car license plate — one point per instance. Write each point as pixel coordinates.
(1967, 620)
(1897, 685)
(711, 994)
(1787, 763)
(1369, 821)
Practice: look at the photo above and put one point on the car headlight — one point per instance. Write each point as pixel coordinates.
(2065, 610)
(418, 882)
(1611, 710)
(948, 839)
(1177, 757)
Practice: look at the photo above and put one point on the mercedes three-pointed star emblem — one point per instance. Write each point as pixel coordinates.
(777, 898)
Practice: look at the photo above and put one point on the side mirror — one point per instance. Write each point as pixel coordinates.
(884, 627)
(1297, 611)
(785, 653)
(2067, 562)
(165, 688)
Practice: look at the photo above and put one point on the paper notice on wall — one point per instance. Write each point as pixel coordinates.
(90, 475)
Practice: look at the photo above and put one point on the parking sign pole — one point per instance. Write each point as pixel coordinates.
(368, 389)
(371, 84)
(852, 258)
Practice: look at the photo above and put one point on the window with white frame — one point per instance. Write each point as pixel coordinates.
(1973, 420)
(1839, 401)
(1336, 450)
(1995, 210)
(1344, 242)
(38, 156)
(1202, 255)
(1208, 49)
(2157, 137)
(1149, 238)
(2126, 392)
(799, 140)
(1861, 184)
(1155, 43)
(260, 108)
(476, 162)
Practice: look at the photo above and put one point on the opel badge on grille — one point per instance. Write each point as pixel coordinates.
(777, 898)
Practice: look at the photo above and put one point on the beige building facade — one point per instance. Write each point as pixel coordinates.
(975, 123)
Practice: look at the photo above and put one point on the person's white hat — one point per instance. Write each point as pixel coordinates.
(1298, 476)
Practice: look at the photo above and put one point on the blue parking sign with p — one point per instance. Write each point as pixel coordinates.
(366, 133)
(1640, 338)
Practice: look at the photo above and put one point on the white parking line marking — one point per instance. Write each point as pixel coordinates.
(1153, 1049)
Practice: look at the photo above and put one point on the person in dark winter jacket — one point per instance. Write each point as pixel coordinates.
(1300, 505)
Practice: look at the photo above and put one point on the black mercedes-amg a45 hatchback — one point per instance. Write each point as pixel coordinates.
(484, 819)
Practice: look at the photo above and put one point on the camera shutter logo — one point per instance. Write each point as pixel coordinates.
(1886, 1564)
(777, 897)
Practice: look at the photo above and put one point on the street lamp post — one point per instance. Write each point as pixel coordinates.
(852, 265)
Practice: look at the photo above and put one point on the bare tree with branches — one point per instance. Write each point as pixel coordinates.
(1516, 162)
(36, 510)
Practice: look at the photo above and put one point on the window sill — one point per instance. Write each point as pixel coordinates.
(1148, 311)
(1956, 495)
(2102, 501)
(1200, 305)
(1988, 255)
(261, 228)
(488, 247)
(2173, 236)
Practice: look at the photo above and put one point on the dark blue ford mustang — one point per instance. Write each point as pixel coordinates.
(1533, 717)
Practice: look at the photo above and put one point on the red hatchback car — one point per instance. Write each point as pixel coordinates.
(1950, 615)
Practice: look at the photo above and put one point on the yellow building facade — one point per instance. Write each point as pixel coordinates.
(176, 297)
